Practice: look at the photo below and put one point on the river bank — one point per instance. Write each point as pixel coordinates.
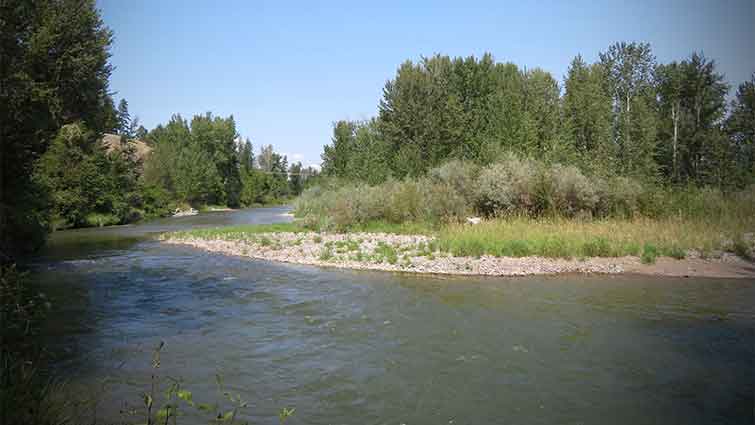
(420, 254)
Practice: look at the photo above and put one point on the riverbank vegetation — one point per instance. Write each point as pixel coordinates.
(72, 158)
(626, 153)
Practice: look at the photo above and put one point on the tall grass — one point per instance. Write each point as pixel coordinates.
(562, 237)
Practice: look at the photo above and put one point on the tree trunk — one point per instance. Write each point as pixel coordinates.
(675, 118)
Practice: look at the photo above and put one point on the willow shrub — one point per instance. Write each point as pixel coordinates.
(512, 187)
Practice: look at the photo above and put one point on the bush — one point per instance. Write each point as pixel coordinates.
(566, 191)
(101, 219)
(617, 197)
(511, 187)
(508, 187)
(649, 253)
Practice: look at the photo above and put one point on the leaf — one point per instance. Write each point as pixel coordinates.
(185, 396)
(164, 412)
(148, 400)
(205, 407)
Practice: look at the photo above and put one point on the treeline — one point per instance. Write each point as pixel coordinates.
(70, 157)
(625, 115)
(205, 162)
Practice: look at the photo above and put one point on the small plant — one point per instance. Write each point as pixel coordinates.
(326, 254)
(265, 241)
(317, 239)
(597, 247)
(676, 252)
(741, 248)
(386, 253)
(649, 253)
(285, 413)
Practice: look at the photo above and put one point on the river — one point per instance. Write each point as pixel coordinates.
(355, 347)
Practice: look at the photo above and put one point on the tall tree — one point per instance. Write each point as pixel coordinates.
(295, 180)
(54, 70)
(629, 68)
(246, 156)
(587, 116)
(741, 128)
(542, 110)
(124, 119)
(692, 103)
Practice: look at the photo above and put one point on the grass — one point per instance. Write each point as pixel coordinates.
(238, 232)
(385, 252)
(406, 228)
(564, 238)
(546, 237)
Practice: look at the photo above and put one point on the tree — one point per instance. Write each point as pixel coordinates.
(629, 70)
(124, 119)
(54, 70)
(587, 116)
(246, 156)
(295, 180)
(542, 109)
(740, 127)
(84, 180)
(692, 103)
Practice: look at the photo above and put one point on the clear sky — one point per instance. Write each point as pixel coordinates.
(287, 70)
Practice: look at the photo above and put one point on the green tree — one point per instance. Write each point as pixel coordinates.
(54, 70)
(692, 104)
(295, 180)
(335, 157)
(542, 109)
(740, 126)
(630, 69)
(124, 119)
(587, 116)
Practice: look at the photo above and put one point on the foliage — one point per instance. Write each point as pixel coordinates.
(624, 116)
(55, 71)
(83, 180)
(569, 238)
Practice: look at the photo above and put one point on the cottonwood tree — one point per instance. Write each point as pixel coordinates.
(587, 116)
(630, 76)
(692, 104)
(740, 127)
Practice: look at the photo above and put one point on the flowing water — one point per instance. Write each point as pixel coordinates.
(348, 347)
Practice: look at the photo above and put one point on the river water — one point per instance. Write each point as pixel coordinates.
(355, 347)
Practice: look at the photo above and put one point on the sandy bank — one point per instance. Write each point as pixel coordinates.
(413, 253)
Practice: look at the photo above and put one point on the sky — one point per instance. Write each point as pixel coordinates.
(288, 70)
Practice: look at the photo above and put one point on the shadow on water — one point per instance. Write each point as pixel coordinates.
(368, 347)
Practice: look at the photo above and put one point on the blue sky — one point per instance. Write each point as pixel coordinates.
(287, 70)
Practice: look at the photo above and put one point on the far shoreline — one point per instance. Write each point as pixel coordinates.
(392, 253)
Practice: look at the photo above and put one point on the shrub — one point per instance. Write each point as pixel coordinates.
(649, 253)
(508, 187)
(100, 219)
(617, 197)
(568, 191)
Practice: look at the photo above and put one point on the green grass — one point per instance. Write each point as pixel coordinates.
(326, 253)
(408, 228)
(649, 253)
(546, 237)
(564, 238)
(238, 232)
(385, 252)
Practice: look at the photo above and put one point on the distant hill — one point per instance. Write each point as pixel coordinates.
(112, 142)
